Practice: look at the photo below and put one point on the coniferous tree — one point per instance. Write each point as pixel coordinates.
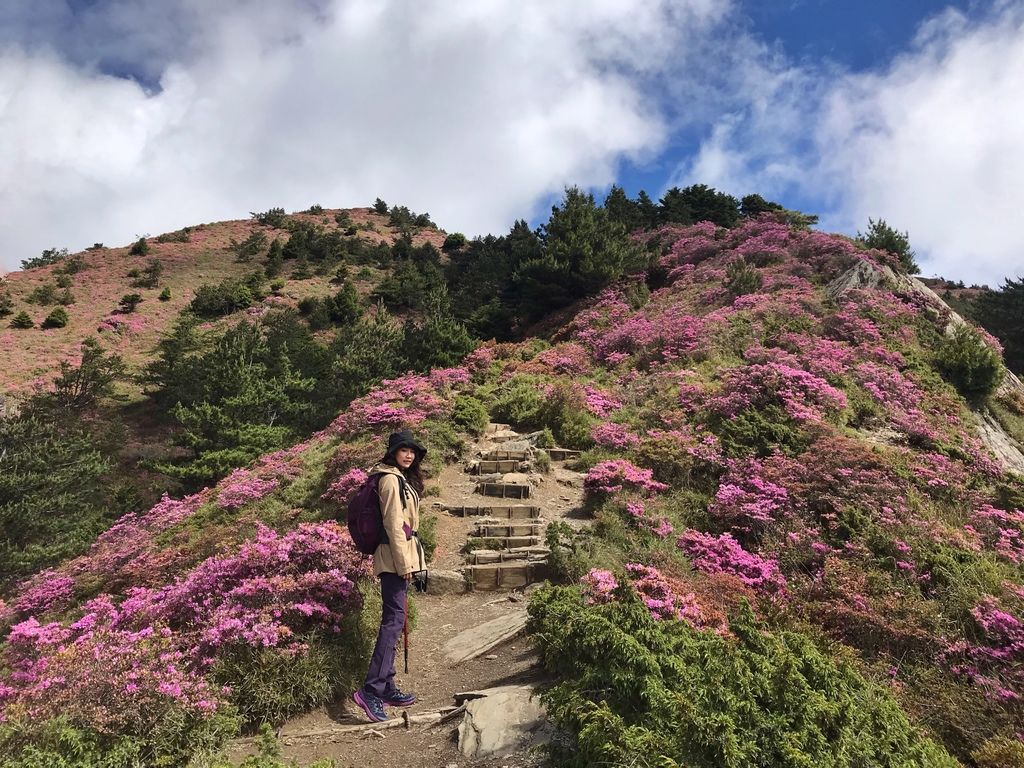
(880, 235)
(1001, 313)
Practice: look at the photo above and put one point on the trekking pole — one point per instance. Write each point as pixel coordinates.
(405, 633)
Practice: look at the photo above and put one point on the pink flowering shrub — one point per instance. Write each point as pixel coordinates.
(723, 554)
(272, 590)
(600, 403)
(746, 501)
(659, 526)
(402, 403)
(995, 660)
(612, 476)
(999, 531)
(112, 680)
(599, 586)
(612, 435)
(137, 658)
(242, 487)
(661, 599)
(342, 489)
(803, 396)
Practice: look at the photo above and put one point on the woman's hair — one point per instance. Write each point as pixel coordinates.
(413, 475)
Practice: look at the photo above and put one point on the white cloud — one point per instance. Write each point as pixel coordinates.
(932, 143)
(471, 111)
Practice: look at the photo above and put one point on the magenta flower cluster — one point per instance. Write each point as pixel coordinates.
(243, 487)
(151, 648)
(995, 660)
(659, 596)
(615, 474)
(723, 554)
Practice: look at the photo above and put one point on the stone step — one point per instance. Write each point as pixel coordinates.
(499, 455)
(495, 576)
(514, 512)
(492, 531)
(562, 454)
(504, 490)
(495, 426)
(504, 437)
(532, 553)
(487, 467)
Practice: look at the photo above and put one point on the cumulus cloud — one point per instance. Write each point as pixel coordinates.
(474, 112)
(931, 143)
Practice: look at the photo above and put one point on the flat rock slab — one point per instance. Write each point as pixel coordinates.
(478, 640)
(502, 720)
(446, 583)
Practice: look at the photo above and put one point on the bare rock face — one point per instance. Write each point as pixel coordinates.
(502, 720)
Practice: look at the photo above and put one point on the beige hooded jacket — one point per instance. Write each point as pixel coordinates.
(402, 553)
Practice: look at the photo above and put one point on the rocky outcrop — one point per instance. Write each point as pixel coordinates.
(865, 276)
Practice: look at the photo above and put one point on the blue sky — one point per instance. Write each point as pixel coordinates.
(127, 117)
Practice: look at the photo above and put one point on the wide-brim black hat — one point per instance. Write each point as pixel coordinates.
(404, 439)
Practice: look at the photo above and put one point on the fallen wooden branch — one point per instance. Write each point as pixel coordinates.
(405, 721)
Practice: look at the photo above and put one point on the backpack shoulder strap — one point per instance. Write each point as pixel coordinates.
(403, 491)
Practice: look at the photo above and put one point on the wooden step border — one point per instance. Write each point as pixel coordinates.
(504, 490)
(508, 544)
(499, 455)
(534, 553)
(511, 512)
(497, 531)
(489, 577)
(490, 466)
(562, 454)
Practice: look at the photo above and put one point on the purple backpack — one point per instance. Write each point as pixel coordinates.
(365, 522)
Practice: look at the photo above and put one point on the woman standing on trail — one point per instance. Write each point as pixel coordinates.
(397, 559)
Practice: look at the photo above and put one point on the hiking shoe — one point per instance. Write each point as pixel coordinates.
(371, 705)
(395, 698)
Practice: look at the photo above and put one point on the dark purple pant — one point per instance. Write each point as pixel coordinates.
(380, 678)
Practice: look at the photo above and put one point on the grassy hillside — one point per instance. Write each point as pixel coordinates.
(189, 257)
(804, 551)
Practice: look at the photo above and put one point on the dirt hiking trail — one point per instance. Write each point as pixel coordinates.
(492, 513)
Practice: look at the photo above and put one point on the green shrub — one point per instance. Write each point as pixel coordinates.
(178, 236)
(342, 219)
(67, 298)
(227, 296)
(139, 248)
(43, 295)
(22, 320)
(275, 217)
(253, 245)
(64, 281)
(178, 740)
(638, 691)
(268, 686)
(49, 256)
(760, 431)
(969, 364)
(1000, 753)
(469, 414)
(149, 276)
(379, 206)
(165, 294)
(454, 242)
(58, 318)
(428, 536)
(315, 209)
(741, 278)
(129, 302)
(6, 304)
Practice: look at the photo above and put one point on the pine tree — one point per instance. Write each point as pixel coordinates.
(1001, 313)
